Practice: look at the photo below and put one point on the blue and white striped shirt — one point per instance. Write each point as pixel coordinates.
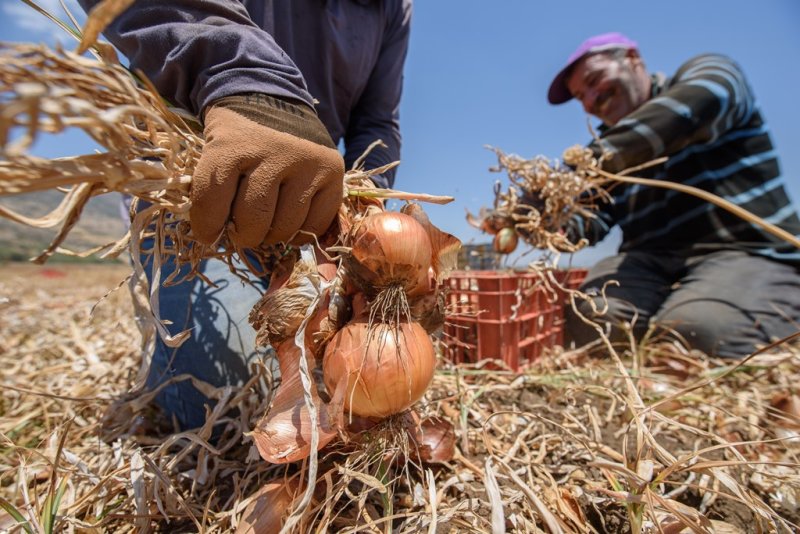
(706, 120)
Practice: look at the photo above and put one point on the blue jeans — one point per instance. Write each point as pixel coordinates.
(221, 346)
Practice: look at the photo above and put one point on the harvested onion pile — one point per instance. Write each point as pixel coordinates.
(541, 199)
(359, 325)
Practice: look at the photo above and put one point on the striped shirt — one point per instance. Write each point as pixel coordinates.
(706, 120)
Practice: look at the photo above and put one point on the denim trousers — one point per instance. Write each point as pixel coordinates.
(221, 345)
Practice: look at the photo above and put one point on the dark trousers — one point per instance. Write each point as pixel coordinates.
(724, 303)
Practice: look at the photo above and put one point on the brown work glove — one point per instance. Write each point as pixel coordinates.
(268, 169)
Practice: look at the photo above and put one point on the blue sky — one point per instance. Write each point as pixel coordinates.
(477, 74)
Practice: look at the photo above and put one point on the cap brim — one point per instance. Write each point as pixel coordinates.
(558, 92)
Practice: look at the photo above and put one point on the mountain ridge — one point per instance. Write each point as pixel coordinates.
(101, 222)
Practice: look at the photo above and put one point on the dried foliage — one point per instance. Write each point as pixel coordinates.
(542, 197)
(148, 152)
(545, 199)
(653, 440)
(662, 437)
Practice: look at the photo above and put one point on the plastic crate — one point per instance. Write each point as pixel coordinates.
(572, 278)
(507, 316)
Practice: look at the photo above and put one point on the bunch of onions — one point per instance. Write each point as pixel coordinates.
(387, 367)
(368, 334)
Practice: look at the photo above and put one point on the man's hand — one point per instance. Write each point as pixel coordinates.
(268, 170)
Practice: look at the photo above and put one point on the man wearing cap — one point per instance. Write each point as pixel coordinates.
(720, 283)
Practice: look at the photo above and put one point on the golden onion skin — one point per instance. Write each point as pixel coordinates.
(388, 368)
(505, 242)
(389, 248)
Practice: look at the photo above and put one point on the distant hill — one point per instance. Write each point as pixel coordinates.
(100, 223)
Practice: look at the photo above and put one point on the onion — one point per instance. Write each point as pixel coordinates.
(387, 367)
(429, 311)
(387, 249)
(505, 241)
(284, 433)
(787, 406)
(270, 506)
(434, 438)
(444, 246)
(281, 310)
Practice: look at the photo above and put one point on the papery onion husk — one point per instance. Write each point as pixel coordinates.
(505, 242)
(321, 326)
(387, 367)
(388, 249)
(426, 284)
(271, 504)
(279, 313)
(433, 439)
(284, 433)
(429, 311)
(444, 246)
(786, 407)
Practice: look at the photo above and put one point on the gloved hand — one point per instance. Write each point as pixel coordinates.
(268, 169)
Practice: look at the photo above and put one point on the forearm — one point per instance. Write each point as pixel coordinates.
(379, 156)
(708, 98)
(197, 52)
(377, 114)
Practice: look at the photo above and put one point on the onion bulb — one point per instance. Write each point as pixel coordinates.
(284, 433)
(281, 310)
(270, 506)
(389, 248)
(387, 367)
(505, 241)
(433, 439)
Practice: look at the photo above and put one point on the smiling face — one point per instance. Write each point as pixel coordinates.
(610, 85)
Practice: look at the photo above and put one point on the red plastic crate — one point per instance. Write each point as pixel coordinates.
(572, 278)
(505, 316)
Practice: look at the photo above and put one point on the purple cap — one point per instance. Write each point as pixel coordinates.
(558, 93)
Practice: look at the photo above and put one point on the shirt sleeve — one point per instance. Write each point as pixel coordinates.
(196, 52)
(377, 113)
(708, 96)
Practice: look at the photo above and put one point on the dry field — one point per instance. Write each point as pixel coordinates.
(664, 442)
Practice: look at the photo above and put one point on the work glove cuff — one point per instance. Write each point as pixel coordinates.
(282, 115)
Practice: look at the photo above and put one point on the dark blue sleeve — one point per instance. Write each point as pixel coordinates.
(196, 52)
(376, 116)
(708, 97)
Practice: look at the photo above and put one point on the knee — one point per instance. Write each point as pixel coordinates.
(713, 328)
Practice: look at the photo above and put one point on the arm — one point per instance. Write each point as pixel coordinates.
(196, 52)
(707, 97)
(269, 171)
(376, 116)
